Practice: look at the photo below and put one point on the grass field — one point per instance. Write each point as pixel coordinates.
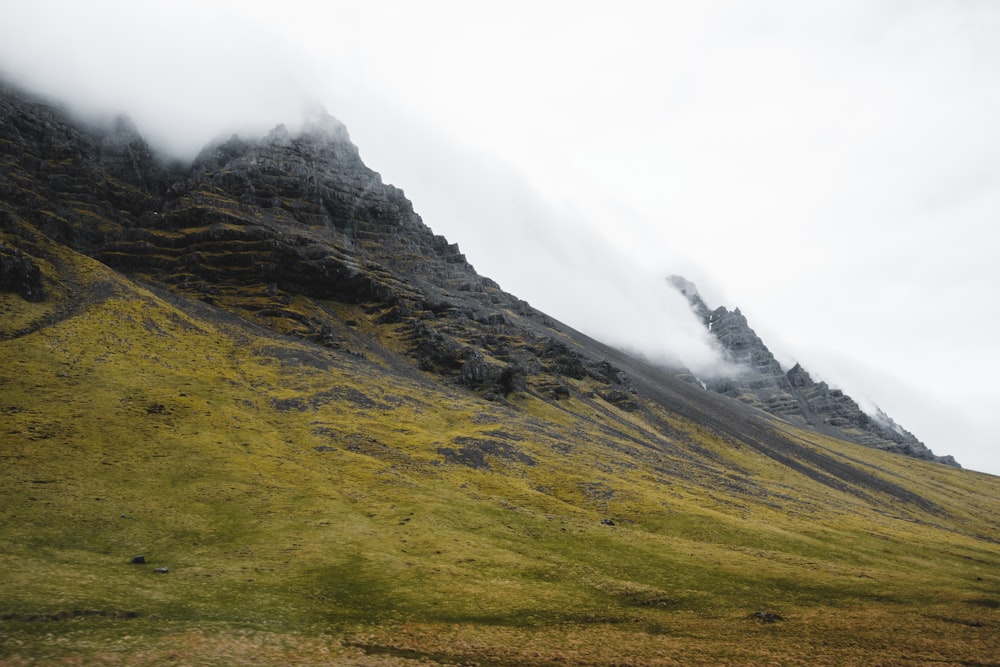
(316, 507)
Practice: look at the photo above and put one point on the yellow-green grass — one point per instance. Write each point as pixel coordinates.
(300, 498)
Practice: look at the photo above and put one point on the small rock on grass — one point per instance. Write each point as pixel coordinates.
(766, 616)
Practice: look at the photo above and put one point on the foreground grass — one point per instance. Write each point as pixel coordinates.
(874, 635)
(314, 507)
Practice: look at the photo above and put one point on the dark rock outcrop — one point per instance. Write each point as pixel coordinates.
(76, 185)
(19, 273)
(760, 381)
(273, 228)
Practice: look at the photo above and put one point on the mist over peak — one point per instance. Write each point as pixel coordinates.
(751, 373)
(684, 286)
(318, 122)
(690, 292)
(315, 131)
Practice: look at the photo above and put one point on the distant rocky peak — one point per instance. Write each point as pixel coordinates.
(319, 124)
(220, 152)
(799, 377)
(124, 153)
(684, 286)
(319, 138)
(690, 291)
(888, 422)
(317, 132)
(758, 379)
(279, 136)
(121, 129)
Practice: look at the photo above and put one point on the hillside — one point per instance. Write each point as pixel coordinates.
(265, 373)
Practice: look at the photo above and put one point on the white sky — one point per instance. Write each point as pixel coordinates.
(832, 168)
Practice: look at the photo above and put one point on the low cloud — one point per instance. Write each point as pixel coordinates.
(559, 258)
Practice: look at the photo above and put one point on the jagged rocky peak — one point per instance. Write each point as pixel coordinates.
(121, 134)
(689, 291)
(318, 123)
(319, 143)
(759, 380)
(124, 153)
(91, 180)
(684, 286)
(319, 147)
(313, 175)
(759, 377)
(798, 376)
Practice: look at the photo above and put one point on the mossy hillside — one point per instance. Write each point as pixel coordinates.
(321, 500)
(299, 488)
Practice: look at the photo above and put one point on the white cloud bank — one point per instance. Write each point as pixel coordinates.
(830, 167)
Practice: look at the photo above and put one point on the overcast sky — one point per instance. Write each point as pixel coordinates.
(832, 168)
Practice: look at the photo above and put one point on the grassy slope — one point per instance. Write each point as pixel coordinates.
(299, 499)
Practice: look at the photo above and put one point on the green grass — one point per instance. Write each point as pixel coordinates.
(299, 499)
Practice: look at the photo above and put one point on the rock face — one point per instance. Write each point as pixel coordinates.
(18, 273)
(79, 186)
(277, 229)
(760, 381)
(295, 233)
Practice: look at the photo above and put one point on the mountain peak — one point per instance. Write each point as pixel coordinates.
(279, 136)
(317, 127)
(760, 381)
(684, 286)
(319, 139)
(690, 292)
(319, 123)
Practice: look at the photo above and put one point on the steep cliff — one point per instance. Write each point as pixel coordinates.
(292, 231)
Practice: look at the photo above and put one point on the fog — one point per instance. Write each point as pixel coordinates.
(829, 167)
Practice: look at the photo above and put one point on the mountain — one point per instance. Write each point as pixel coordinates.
(759, 380)
(254, 410)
